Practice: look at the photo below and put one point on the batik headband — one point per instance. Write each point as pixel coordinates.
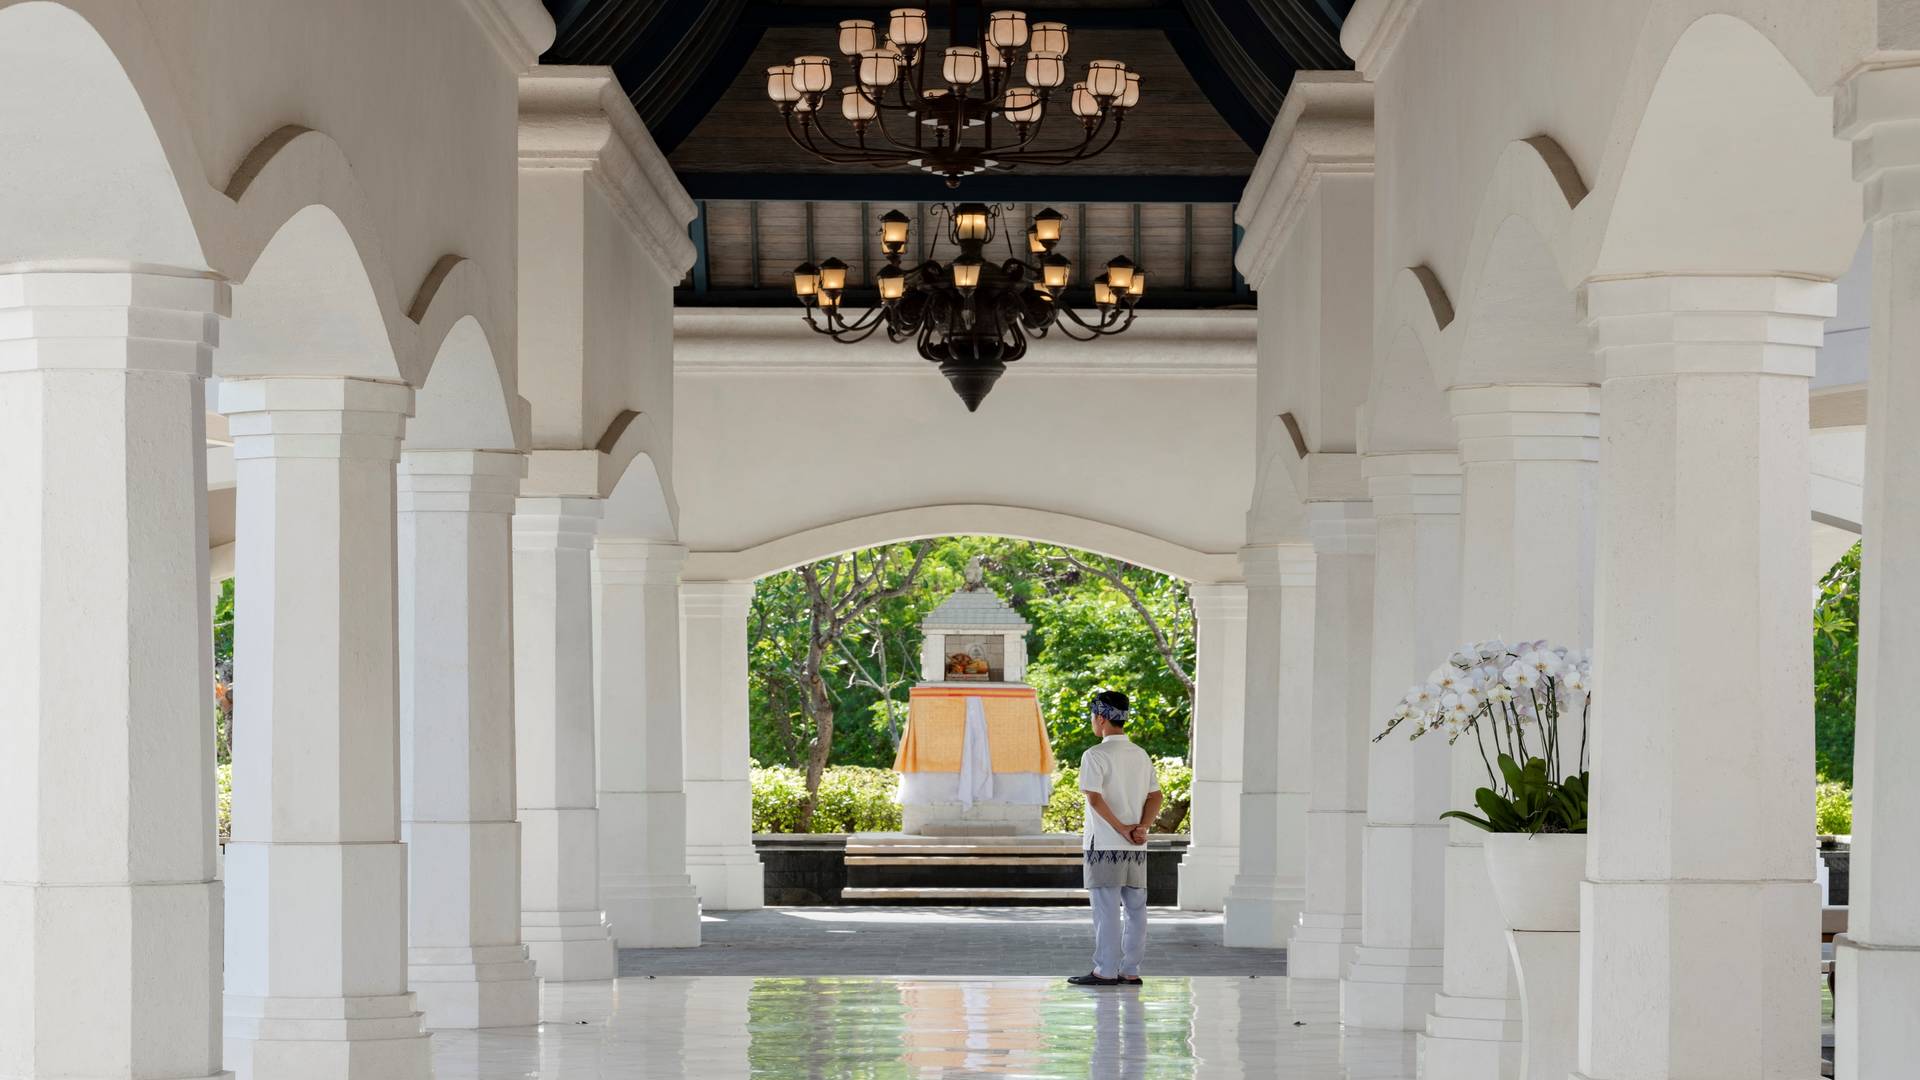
(1112, 714)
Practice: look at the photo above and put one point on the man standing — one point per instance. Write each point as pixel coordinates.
(1123, 798)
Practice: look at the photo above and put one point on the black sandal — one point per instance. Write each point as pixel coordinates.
(1131, 981)
(1090, 979)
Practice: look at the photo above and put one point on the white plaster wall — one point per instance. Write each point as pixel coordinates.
(779, 430)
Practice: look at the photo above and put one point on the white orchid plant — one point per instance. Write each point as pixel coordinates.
(1512, 698)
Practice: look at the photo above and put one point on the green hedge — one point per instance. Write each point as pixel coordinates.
(1833, 809)
(854, 798)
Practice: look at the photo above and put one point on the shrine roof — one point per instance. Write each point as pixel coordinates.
(977, 609)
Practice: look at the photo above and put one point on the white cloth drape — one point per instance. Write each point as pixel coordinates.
(976, 757)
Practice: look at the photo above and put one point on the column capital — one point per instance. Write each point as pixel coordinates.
(715, 599)
(1413, 484)
(315, 417)
(1216, 601)
(1342, 527)
(460, 481)
(1527, 423)
(1701, 324)
(625, 561)
(543, 521)
(110, 321)
(1878, 108)
(1285, 566)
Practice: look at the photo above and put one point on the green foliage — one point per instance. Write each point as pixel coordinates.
(223, 781)
(1535, 803)
(1836, 650)
(223, 674)
(1066, 809)
(1087, 636)
(1833, 809)
(852, 799)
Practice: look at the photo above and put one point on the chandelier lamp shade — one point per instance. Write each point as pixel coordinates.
(974, 314)
(981, 103)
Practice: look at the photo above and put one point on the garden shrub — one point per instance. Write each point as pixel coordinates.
(1833, 809)
(223, 781)
(853, 798)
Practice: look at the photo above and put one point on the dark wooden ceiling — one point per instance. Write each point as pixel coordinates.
(1214, 73)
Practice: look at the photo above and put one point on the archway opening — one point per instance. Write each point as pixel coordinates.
(836, 648)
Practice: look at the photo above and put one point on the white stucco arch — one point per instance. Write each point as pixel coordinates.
(1519, 319)
(464, 405)
(1729, 164)
(922, 522)
(309, 306)
(1405, 410)
(94, 159)
(641, 506)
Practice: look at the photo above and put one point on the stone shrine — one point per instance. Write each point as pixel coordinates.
(975, 758)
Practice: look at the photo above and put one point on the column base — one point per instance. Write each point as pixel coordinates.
(1320, 946)
(1876, 996)
(1390, 989)
(1206, 875)
(1261, 912)
(653, 913)
(96, 965)
(1470, 1038)
(326, 1038)
(727, 878)
(569, 946)
(486, 986)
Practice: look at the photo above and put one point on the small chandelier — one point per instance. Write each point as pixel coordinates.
(971, 316)
(896, 77)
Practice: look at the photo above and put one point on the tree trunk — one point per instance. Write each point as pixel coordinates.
(820, 710)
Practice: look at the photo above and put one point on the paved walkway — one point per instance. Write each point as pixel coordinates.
(940, 941)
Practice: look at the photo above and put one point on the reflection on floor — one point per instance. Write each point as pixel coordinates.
(940, 941)
(720, 1027)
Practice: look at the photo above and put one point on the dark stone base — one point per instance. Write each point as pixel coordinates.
(810, 870)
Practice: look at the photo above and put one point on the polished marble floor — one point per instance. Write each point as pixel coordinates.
(929, 1028)
(940, 941)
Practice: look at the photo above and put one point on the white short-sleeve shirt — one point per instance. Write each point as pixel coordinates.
(1123, 775)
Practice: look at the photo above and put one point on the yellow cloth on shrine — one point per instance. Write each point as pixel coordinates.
(937, 723)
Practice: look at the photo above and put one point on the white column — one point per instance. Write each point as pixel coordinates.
(464, 955)
(720, 857)
(316, 874)
(1269, 891)
(1526, 572)
(1699, 901)
(1416, 615)
(1322, 944)
(1219, 720)
(560, 915)
(109, 911)
(643, 805)
(1877, 987)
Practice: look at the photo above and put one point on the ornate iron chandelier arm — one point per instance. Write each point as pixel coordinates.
(880, 121)
(1068, 155)
(1111, 322)
(804, 140)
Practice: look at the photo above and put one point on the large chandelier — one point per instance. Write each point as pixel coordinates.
(980, 119)
(971, 316)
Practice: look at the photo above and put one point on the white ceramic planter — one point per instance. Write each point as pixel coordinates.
(1536, 880)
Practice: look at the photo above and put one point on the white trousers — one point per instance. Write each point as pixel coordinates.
(1117, 950)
